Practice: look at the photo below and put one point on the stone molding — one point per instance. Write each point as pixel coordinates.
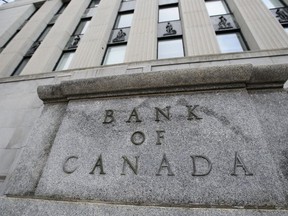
(210, 78)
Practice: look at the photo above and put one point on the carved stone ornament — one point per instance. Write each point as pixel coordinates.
(170, 30)
(223, 24)
(282, 15)
(120, 36)
(75, 41)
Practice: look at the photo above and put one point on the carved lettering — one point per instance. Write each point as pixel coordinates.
(65, 167)
(159, 137)
(209, 165)
(109, 117)
(239, 163)
(99, 164)
(135, 115)
(191, 113)
(133, 168)
(163, 113)
(165, 164)
(138, 138)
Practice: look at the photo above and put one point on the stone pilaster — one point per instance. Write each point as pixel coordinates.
(93, 45)
(260, 29)
(142, 42)
(16, 49)
(48, 53)
(12, 19)
(198, 33)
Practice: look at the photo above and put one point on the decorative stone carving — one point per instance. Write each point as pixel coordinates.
(223, 24)
(120, 36)
(170, 30)
(75, 41)
(282, 15)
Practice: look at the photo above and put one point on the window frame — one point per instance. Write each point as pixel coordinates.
(59, 60)
(163, 7)
(110, 47)
(274, 7)
(170, 39)
(116, 25)
(240, 37)
(225, 6)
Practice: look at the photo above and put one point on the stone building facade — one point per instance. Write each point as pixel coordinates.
(106, 50)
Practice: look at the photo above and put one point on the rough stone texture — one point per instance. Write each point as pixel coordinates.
(229, 125)
(19, 109)
(216, 77)
(25, 177)
(273, 114)
(27, 207)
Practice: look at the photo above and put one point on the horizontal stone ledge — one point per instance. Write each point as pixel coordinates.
(37, 207)
(193, 79)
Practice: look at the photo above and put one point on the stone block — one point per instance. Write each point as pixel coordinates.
(28, 207)
(33, 159)
(6, 135)
(209, 150)
(7, 158)
(271, 107)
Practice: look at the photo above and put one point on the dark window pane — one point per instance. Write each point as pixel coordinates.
(94, 3)
(20, 67)
(82, 27)
(44, 33)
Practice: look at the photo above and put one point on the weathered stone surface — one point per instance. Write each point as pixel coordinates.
(222, 123)
(272, 109)
(25, 177)
(189, 79)
(27, 207)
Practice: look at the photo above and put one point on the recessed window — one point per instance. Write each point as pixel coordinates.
(21, 66)
(230, 42)
(124, 20)
(168, 14)
(270, 4)
(94, 3)
(82, 27)
(216, 7)
(171, 48)
(115, 54)
(65, 61)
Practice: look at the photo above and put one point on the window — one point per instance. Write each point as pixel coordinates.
(270, 4)
(21, 66)
(230, 42)
(38, 42)
(170, 48)
(286, 29)
(5, 1)
(216, 7)
(71, 46)
(168, 14)
(65, 61)
(227, 30)
(279, 11)
(115, 54)
(94, 3)
(124, 20)
(82, 27)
